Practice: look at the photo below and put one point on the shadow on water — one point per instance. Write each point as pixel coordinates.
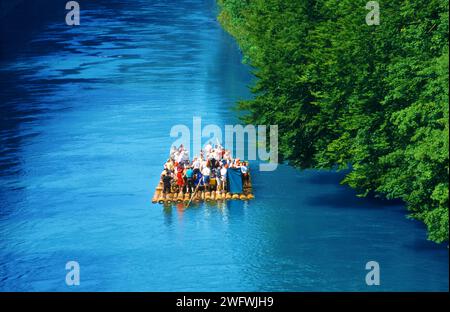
(347, 198)
(422, 245)
(21, 97)
(21, 20)
(327, 177)
(14, 113)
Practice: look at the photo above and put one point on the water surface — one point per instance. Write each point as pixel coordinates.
(86, 114)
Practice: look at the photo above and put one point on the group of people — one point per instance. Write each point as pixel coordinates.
(207, 171)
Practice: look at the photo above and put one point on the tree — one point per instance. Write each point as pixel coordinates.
(370, 99)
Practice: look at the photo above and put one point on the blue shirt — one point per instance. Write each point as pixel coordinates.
(199, 180)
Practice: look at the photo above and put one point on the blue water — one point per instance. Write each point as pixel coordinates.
(86, 114)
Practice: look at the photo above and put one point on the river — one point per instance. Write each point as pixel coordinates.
(86, 113)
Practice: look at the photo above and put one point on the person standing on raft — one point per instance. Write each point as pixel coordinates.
(167, 179)
(206, 172)
(180, 180)
(223, 178)
(189, 174)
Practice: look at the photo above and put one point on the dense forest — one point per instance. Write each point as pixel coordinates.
(372, 99)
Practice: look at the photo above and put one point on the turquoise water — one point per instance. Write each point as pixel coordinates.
(86, 114)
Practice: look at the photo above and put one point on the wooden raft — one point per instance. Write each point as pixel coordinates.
(200, 196)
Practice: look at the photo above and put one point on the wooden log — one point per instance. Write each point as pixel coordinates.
(162, 199)
(187, 197)
(180, 197)
(243, 197)
(213, 196)
(169, 198)
(235, 196)
(159, 189)
(250, 196)
(228, 196)
(247, 188)
(218, 195)
(156, 196)
(207, 196)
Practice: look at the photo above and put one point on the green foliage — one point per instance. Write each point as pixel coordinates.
(373, 99)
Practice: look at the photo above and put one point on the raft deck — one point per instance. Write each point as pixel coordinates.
(201, 196)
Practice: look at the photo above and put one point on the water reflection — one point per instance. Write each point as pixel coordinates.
(206, 210)
(168, 217)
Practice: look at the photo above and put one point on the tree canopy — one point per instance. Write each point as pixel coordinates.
(372, 99)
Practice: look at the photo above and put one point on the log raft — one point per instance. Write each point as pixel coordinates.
(201, 196)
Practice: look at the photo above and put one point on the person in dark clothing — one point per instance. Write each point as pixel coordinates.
(212, 163)
(199, 182)
(213, 182)
(167, 179)
(189, 179)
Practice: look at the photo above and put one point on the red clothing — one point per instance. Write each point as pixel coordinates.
(180, 181)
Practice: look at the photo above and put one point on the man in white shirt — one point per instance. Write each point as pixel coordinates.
(210, 154)
(208, 148)
(196, 165)
(203, 164)
(218, 154)
(244, 170)
(223, 178)
(173, 150)
(185, 157)
(206, 172)
(179, 158)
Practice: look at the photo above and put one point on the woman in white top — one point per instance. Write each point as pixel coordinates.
(223, 178)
